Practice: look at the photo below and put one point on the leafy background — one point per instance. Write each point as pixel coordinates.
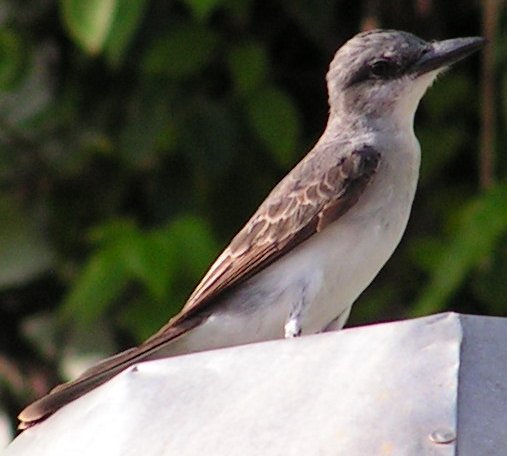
(136, 137)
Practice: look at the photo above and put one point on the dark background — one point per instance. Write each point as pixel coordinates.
(136, 138)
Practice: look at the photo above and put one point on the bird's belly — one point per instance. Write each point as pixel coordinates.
(341, 261)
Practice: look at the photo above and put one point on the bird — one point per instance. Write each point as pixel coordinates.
(324, 232)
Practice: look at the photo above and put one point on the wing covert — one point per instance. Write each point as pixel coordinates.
(295, 210)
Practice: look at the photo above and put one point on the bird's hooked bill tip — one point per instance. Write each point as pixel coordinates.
(444, 53)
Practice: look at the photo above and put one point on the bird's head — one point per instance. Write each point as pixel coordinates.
(381, 75)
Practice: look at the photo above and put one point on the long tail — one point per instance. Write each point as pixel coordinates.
(99, 374)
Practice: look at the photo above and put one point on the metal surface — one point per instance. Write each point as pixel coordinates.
(387, 389)
(482, 403)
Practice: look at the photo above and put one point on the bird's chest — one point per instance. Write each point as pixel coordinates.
(350, 253)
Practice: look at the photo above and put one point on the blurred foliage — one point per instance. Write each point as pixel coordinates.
(136, 137)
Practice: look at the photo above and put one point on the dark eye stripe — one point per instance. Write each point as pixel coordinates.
(384, 69)
(359, 76)
(380, 69)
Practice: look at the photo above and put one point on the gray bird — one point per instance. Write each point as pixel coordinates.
(325, 231)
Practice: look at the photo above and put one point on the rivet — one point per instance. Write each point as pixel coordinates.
(443, 436)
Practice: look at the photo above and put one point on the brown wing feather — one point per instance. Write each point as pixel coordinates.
(293, 212)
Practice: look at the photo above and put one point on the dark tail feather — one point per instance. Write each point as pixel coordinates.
(98, 374)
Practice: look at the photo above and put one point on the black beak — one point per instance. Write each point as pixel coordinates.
(444, 53)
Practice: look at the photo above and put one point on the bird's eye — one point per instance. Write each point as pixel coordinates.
(384, 69)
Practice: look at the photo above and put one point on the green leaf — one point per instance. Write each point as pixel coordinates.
(484, 221)
(426, 252)
(126, 21)
(151, 260)
(165, 263)
(89, 22)
(12, 59)
(112, 231)
(173, 260)
(105, 274)
(490, 284)
(451, 93)
(147, 125)
(275, 119)
(165, 258)
(194, 242)
(24, 251)
(440, 145)
(142, 316)
(239, 12)
(201, 9)
(184, 51)
(100, 282)
(248, 65)
(34, 87)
